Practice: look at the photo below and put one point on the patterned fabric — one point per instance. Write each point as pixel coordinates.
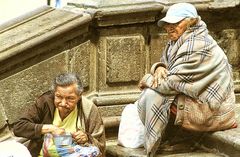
(197, 68)
(193, 115)
(50, 149)
(154, 113)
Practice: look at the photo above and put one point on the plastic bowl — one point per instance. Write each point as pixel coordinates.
(63, 140)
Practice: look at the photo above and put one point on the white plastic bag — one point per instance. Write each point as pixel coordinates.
(13, 149)
(131, 129)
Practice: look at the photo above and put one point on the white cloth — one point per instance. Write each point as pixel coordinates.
(13, 149)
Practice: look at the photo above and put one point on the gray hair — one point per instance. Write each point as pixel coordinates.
(192, 21)
(67, 79)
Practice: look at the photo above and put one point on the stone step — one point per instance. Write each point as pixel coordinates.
(228, 141)
(114, 150)
(221, 143)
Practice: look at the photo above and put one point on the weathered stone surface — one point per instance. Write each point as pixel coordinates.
(116, 3)
(116, 54)
(237, 111)
(3, 117)
(116, 150)
(116, 98)
(236, 75)
(124, 58)
(224, 3)
(112, 123)
(238, 99)
(110, 14)
(192, 1)
(157, 45)
(230, 42)
(85, 3)
(42, 25)
(34, 36)
(20, 90)
(227, 142)
(108, 3)
(108, 111)
(80, 61)
(5, 133)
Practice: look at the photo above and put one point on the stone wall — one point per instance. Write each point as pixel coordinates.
(111, 48)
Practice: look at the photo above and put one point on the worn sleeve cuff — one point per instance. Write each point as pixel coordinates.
(38, 130)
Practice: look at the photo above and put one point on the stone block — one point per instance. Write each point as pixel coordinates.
(115, 75)
(3, 117)
(80, 61)
(108, 111)
(229, 40)
(157, 46)
(20, 90)
(124, 2)
(181, 1)
(124, 59)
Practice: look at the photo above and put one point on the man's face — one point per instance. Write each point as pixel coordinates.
(66, 98)
(175, 30)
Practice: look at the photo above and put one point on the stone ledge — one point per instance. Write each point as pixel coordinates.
(114, 150)
(227, 142)
(36, 36)
(110, 122)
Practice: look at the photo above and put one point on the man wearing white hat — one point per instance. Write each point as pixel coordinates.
(192, 82)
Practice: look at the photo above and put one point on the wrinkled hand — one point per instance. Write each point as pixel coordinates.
(80, 137)
(142, 84)
(58, 131)
(145, 82)
(159, 75)
(49, 128)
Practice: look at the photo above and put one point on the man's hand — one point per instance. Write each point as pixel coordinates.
(80, 137)
(159, 75)
(146, 81)
(49, 128)
(142, 84)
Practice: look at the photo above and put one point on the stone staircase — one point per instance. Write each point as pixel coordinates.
(114, 150)
(222, 143)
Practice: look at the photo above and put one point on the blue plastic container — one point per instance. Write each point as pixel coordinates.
(63, 140)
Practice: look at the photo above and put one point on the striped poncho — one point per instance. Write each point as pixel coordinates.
(198, 68)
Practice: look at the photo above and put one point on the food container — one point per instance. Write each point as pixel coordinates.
(63, 139)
